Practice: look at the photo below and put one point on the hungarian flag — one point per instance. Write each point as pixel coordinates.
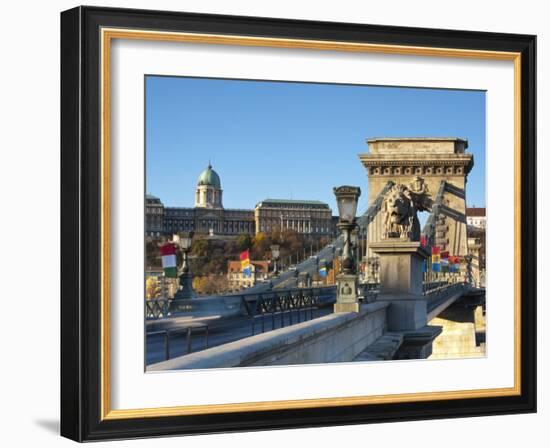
(436, 259)
(245, 263)
(168, 254)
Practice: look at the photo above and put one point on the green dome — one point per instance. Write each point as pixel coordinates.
(209, 177)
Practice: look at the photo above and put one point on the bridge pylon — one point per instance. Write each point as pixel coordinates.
(427, 164)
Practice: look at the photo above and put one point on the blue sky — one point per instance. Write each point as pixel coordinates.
(291, 140)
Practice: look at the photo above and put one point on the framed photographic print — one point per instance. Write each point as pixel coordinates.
(273, 223)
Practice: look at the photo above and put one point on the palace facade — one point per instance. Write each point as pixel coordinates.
(208, 216)
(309, 217)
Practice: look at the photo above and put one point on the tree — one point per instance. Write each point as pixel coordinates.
(243, 242)
(210, 284)
(153, 288)
(200, 248)
(200, 284)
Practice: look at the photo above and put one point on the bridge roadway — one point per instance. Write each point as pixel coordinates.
(220, 331)
(288, 278)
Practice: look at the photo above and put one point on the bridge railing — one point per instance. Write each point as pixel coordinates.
(279, 308)
(157, 308)
(444, 290)
(188, 330)
(368, 291)
(434, 287)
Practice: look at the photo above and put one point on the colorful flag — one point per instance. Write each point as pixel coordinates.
(168, 254)
(436, 259)
(322, 268)
(245, 263)
(454, 263)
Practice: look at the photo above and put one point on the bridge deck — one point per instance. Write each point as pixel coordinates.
(220, 331)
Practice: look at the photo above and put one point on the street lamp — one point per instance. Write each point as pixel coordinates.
(184, 240)
(346, 292)
(347, 198)
(275, 256)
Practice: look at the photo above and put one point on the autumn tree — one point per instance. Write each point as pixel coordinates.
(153, 288)
(243, 242)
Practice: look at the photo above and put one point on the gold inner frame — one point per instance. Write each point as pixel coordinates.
(107, 35)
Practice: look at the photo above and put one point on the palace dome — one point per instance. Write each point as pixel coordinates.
(209, 177)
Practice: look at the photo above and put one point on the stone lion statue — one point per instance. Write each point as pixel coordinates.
(400, 214)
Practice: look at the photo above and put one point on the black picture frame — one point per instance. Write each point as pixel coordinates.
(81, 209)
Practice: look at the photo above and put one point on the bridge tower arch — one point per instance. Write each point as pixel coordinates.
(441, 165)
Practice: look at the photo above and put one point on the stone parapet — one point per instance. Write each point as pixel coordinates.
(333, 338)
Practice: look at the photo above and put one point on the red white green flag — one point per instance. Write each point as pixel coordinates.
(168, 254)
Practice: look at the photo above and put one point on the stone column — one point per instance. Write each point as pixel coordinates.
(401, 283)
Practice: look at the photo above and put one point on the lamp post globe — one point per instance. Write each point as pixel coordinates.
(275, 256)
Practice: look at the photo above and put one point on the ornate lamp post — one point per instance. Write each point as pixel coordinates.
(346, 281)
(184, 241)
(275, 256)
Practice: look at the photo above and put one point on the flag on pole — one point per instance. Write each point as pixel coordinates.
(322, 268)
(454, 263)
(168, 254)
(436, 259)
(245, 263)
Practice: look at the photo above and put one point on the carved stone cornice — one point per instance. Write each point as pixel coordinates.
(429, 165)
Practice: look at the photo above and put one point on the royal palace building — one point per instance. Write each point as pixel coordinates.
(309, 217)
(208, 216)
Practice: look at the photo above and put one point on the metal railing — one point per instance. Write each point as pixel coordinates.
(187, 330)
(280, 308)
(368, 291)
(434, 287)
(440, 295)
(444, 290)
(157, 308)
